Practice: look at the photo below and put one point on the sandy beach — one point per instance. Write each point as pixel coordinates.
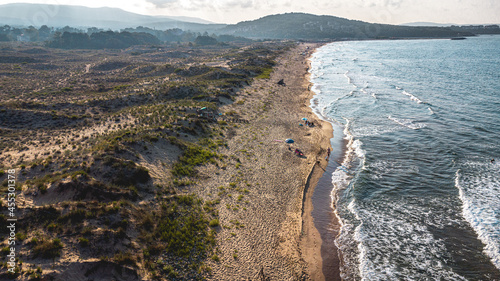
(278, 239)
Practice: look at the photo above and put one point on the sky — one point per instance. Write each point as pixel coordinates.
(375, 11)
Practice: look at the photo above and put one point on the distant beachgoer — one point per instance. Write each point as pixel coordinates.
(492, 160)
(328, 150)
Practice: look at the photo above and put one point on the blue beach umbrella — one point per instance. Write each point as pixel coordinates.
(289, 141)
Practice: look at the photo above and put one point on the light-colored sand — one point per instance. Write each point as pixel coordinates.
(273, 242)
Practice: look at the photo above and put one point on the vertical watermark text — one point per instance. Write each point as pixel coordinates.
(11, 220)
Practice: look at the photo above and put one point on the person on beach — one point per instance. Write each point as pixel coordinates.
(328, 150)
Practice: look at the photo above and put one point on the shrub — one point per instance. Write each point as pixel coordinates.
(83, 241)
(214, 223)
(125, 258)
(75, 216)
(42, 188)
(170, 271)
(216, 258)
(193, 155)
(183, 227)
(20, 236)
(47, 249)
(265, 74)
(53, 227)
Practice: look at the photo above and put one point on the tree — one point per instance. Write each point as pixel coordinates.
(44, 32)
(205, 41)
(32, 33)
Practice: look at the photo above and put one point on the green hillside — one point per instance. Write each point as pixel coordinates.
(307, 26)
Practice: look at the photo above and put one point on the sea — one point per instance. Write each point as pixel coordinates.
(416, 187)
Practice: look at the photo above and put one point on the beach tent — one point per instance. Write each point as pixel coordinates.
(305, 119)
(289, 141)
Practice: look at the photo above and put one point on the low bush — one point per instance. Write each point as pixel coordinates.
(184, 227)
(47, 249)
(214, 223)
(192, 156)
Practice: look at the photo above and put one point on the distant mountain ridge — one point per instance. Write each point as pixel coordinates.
(427, 24)
(23, 14)
(294, 26)
(313, 27)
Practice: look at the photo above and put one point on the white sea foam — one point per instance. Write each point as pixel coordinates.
(479, 191)
(341, 178)
(349, 79)
(387, 236)
(374, 130)
(372, 94)
(408, 123)
(412, 97)
(379, 169)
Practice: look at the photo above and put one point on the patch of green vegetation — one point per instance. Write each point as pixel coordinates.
(125, 258)
(84, 242)
(193, 155)
(120, 87)
(214, 223)
(47, 249)
(170, 271)
(215, 258)
(184, 227)
(265, 74)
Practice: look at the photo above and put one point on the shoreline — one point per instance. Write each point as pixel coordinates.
(312, 244)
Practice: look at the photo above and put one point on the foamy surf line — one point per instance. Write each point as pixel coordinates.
(478, 190)
(408, 123)
(342, 176)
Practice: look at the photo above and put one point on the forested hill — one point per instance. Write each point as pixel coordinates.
(312, 27)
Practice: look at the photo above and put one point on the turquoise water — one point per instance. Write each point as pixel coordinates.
(418, 196)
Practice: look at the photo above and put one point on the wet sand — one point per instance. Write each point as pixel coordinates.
(320, 225)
